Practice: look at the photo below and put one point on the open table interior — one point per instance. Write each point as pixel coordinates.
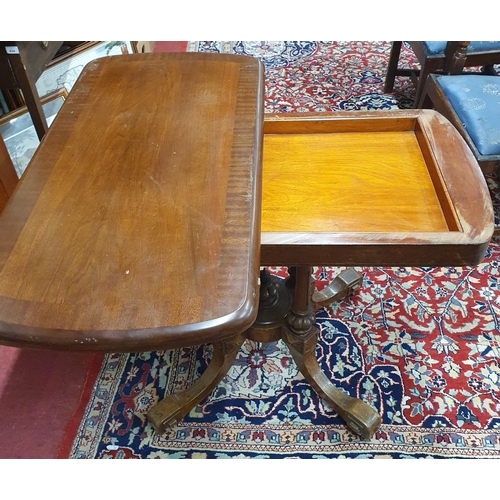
(377, 188)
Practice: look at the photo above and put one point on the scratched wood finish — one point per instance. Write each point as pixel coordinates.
(395, 188)
(136, 225)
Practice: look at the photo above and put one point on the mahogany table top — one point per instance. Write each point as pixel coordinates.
(136, 225)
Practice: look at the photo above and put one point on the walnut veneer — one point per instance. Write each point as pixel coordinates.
(136, 225)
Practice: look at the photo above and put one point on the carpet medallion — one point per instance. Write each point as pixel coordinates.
(421, 345)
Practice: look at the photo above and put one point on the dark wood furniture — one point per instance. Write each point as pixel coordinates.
(136, 225)
(21, 64)
(135, 212)
(435, 62)
(8, 176)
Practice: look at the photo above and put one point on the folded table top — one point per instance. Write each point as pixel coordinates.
(136, 226)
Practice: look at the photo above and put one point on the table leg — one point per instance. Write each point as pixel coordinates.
(300, 335)
(276, 319)
(274, 303)
(174, 407)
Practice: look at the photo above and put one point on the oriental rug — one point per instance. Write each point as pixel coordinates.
(421, 345)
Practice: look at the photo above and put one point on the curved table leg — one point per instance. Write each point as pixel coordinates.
(301, 337)
(174, 407)
(359, 416)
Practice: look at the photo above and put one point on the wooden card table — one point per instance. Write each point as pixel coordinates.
(396, 188)
(136, 226)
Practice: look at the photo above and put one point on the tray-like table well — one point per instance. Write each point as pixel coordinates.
(359, 178)
(367, 181)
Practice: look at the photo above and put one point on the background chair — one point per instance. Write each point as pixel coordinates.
(21, 64)
(472, 104)
(436, 57)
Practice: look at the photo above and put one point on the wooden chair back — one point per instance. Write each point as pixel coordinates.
(442, 62)
(8, 176)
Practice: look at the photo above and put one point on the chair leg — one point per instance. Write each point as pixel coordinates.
(8, 176)
(30, 94)
(392, 67)
(422, 79)
(489, 69)
(425, 101)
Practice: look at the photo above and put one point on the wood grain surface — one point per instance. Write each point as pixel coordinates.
(136, 225)
(367, 181)
(377, 188)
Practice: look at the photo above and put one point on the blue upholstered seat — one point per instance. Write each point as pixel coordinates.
(476, 101)
(438, 47)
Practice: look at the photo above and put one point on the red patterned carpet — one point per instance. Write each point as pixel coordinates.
(421, 345)
(323, 76)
